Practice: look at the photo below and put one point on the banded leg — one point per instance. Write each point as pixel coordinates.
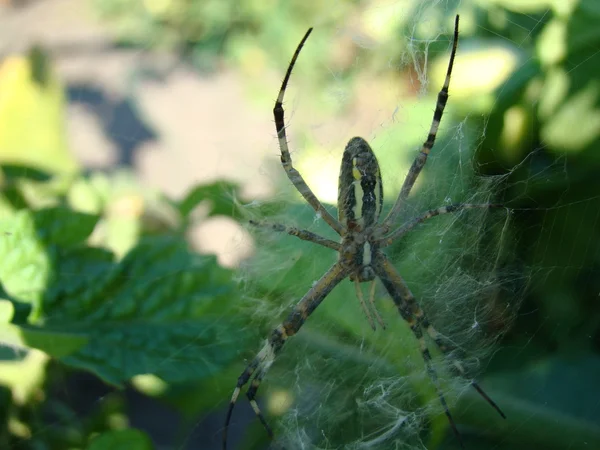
(421, 158)
(446, 348)
(458, 207)
(290, 326)
(286, 159)
(409, 310)
(305, 235)
(406, 297)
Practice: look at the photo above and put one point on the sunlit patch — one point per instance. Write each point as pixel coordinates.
(279, 402)
(318, 170)
(149, 384)
(479, 70)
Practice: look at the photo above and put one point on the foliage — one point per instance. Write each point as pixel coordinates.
(154, 309)
(539, 136)
(97, 276)
(159, 310)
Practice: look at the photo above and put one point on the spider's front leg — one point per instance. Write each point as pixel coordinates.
(286, 159)
(421, 159)
(390, 238)
(258, 367)
(305, 235)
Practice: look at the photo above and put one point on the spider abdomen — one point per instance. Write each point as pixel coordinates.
(360, 192)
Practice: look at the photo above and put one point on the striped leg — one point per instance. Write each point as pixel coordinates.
(458, 207)
(446, 348)
(286, 159)
(404, 298)
(411, 313)
(421, 158)
(262, 362)
(305, 235)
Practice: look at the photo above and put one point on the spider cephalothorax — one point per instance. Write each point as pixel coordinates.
(360, 252)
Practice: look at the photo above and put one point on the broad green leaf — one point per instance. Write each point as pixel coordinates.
(53, 342)
(553, 399)
(161, 310)
(130, 439)
(25, 261)
(14, 172)
(62, 226)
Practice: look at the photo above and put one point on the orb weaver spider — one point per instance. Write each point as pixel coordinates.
(360, 250)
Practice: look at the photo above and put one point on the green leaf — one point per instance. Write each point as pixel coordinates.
(571, 89)
(62, 226)
(218, 197)
(25, 264)
(161, 310)
(54, 343)
(553, 397)
(15, 172)
(121, 440)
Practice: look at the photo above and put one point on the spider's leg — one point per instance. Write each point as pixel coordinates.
(286, 159)
(305, 235)
(409, 310)
(421, 158)
(290, 326)
(446, 348)
(373, 306)
(363, 305)
(399, 232)
(372, 302)
(258, 361)
(405, 299)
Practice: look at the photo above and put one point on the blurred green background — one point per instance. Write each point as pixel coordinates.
(122, 330)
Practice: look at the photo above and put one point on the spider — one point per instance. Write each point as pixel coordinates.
(360, 250)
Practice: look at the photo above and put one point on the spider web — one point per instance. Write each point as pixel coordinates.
(353, 389)
(338, 384)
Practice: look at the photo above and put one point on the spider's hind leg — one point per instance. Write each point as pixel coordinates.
(261, 363)
(411, 313)
(364, 306)
(447, 348)
(256, 371)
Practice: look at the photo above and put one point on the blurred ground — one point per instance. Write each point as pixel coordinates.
(174, 127)
(176, 131)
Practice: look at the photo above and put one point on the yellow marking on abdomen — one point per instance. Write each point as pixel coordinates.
(355, 172)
